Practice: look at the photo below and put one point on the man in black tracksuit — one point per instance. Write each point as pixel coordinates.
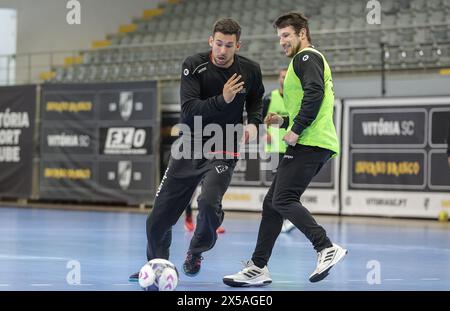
(214, 86)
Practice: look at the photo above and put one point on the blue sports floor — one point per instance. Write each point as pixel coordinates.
(40, 249)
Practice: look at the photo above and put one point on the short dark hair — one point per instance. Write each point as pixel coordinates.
(227, 26)
(295, 19)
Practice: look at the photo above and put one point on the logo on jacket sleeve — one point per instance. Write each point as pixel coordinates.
(221, 168)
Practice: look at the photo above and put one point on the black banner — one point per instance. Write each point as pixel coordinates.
(17, 115)
(126, 105)
(388, 169)
(387, 126)
(99, 142)
(440, 122)
(69, 140)
(126, 140)
(408, 138)
(439, 176)
(125, 175)
(169, 134)
(323, 180)
(325, 177)
(59, 105)
(67, 174)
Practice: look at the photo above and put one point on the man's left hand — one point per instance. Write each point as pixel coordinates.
(291, 138)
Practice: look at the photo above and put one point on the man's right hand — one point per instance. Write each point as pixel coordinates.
(232, 87)
(449, 161)
(273, 119)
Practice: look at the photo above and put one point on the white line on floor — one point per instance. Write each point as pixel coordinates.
(127, 284)
(19, 257)
(429, 279)
(393, 280)
(203, 283)
(41, 284)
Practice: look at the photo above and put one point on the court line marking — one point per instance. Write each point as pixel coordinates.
(203, 283)
(24, 257)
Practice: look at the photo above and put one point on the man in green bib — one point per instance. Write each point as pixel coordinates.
(273, 104)
(312, 140)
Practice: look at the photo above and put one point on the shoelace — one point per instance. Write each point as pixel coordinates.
(247, 264)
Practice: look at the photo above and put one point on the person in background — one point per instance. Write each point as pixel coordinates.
(273, 104)
(189, 224)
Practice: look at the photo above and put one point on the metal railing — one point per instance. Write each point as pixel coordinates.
(25, 68)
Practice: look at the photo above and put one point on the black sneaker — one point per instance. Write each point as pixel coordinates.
(192, 264)
(134, 277)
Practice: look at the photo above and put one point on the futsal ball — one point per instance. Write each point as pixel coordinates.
(158, 275)
(146, 276)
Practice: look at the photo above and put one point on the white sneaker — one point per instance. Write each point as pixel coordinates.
(326, 259)
(251, 275)
(287, 226)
